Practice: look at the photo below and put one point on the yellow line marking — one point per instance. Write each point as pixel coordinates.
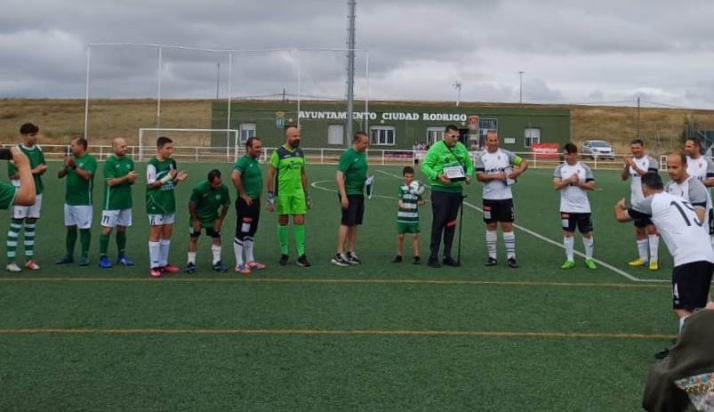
(340, 281)
(313, 332)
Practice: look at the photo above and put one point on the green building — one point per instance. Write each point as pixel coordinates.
(393, 125)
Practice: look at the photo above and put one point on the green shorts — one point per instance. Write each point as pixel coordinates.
(407, 227)
(291, 204)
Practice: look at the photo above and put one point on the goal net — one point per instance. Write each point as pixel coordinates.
(192, 144)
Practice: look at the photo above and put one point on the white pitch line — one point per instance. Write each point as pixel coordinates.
(553, 242)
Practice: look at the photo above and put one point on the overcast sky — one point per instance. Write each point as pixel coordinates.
(570, 51)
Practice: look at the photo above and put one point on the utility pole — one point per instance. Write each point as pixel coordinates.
(457, 86)
(218, 78)
(520, 92)
(352, 5)
(638, 117)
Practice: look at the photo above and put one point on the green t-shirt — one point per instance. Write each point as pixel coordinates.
(208, 201)
(160, 200)
(117, 197)
(289, 165)
(36, 157)
(250, 176)
(440, 156)
(7, 195)
(79, 190)
(354, 166)
(409, 213)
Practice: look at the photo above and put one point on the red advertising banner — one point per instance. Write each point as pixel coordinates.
(546, 150)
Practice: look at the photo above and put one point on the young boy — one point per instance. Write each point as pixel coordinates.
(161, 180)
(206, 199)
(26, 215)
(408, 216)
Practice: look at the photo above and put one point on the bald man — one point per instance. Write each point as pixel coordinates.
(119, 176)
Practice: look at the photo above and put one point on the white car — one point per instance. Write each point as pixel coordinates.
(597, 149)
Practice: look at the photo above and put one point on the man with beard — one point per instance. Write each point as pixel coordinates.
(288, 193)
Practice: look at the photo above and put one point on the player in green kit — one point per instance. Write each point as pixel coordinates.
(288, 193)
(248, 181)
(26, 215)
(207, 197)
(161, 180)
(79, 170)
(119, 176)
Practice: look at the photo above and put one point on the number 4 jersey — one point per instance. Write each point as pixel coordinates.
(684, 234)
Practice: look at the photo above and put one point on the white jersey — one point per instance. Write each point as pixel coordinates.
(693, 191)
(647, 163)
(702, 167)
(678, 225)
(574, 199)
(495, 163)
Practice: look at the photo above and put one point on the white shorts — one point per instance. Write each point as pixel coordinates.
(114, 218)
(21, 212)
(158, 220)
(80, 216)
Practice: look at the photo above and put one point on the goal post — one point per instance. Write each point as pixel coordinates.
(214, 144)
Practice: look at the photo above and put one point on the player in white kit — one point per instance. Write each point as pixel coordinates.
(680, 224)
(574, 179)
(646, 236)
(702, 168)
(688, 187)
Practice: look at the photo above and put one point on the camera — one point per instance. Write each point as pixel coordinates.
(5, 154)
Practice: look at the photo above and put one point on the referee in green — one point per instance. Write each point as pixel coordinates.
(288, 193)
(446, 193)
(351, 178)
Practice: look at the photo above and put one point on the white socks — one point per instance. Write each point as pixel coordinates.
(642, 249)
(588, 244)
(154, 254)
(248, 245)
(509, 239)
(192, 257)
(216, 251)
(164, 245)
(654, 246)
(568, 243)
(238, 251)
(491, 239)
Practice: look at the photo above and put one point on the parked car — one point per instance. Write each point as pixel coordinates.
(597, 149)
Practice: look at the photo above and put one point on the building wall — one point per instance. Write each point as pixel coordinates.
(410, 122)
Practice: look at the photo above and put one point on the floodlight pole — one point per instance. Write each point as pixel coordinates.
(158, 91)
(520, 93)
(86, 97)
(351, 4)
(230, 93)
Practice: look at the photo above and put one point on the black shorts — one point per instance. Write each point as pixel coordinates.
(583, 221)
(642, 223)
(247, 219)
(711, 222)
(209, 232)
(354, 214)
(498, 210)
(690, 285)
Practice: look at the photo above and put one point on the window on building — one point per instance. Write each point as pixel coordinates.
(488, 124)
(247, 130)
(434, 134)
(382, 135)
(336, 134)
(532, 136)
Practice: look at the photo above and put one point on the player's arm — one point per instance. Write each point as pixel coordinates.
(238, 184)
(85, 174)
(305, 184)
(698, 195)
(625, 173)
(25, 194)
(151, 179)
(558, 181)
(640, 210)
(42, 166)
(589, 182)
(484, 177)
(520, 165)
(340, 179)
(709, 179)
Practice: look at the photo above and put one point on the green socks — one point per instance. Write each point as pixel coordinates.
(300, 239)
(103, 244)
(283, 239)
(121, 243)
(85, 236)
(29, 240)
(12, 235)
(70, 240)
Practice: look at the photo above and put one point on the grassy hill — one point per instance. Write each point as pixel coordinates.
(61, 119)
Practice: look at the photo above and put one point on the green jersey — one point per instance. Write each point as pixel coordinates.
(353, 165)
(288, 164)
(117, 197)
(208, 201)
(160, 200)
(36, 157)
(79, 189)
(7, 195)
(250, 176)
(440, 156)
(409, 212)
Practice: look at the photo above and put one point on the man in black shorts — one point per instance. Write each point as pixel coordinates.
(351, 177)
(248, 180)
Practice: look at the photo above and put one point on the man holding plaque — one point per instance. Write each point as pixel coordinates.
(447, 165)
(498, 169)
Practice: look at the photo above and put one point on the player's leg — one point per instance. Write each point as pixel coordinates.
(489, 219)
(156, 227)
(653, 242)
(125, 220)
(216, 250)
(298, 208)
(452, 214)
(282, 207)
(252, 219)
(400, 243)
(13, 236)
(33, 215)
(347, 221)
(507, 217)
(567, 222)
(165, 245)
(83, 218)
(193, 236)
(415, 245)
(109, 221)
(358, 216)
(439, 204)
(70, 236)
(641, 242)
(585, 226)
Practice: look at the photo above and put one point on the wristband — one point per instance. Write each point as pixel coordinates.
(166, 178)
(271, 198)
